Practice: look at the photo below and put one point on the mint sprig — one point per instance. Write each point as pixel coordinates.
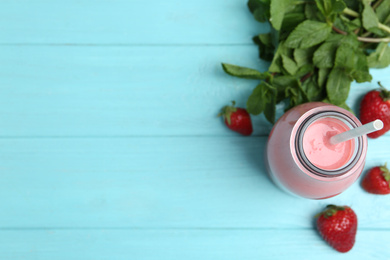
(316, 49)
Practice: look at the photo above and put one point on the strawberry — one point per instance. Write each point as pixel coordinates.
(376, 105)
(377, 180)
(237, 119)
(338, 226)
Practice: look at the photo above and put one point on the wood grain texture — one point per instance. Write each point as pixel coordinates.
(127, 22)
(167, 182)
(206, 244)
(129, 91)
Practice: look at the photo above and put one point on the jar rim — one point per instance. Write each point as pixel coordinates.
(315, 169)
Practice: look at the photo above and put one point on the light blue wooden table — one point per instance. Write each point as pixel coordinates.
(110, 147)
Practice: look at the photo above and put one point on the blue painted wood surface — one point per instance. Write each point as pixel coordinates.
(110, 147)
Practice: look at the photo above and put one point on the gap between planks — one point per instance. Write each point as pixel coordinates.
(179, 228)
(126, 45)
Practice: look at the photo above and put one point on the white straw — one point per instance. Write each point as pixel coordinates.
(358, 131)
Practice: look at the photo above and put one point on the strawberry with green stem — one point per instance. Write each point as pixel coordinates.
(338, 226)
(376, 105)
(237, 119)
(377, 180)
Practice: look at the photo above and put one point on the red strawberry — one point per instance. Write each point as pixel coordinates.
(338, 226)
(376, 105)
(237, 119)
(377, 180)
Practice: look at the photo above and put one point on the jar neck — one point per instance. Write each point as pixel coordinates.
(358, 145)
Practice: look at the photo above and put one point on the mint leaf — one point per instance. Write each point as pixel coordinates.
(266, 39)
(369, 18)
(324, 56)
(270, 107)
(266, 48)
(382, 11)
(330, 7)
(361, 72)
(283, 82)
(289, 65)
(303, 56)
(255, 104)
(313, 91)
(291, 20)
(296, 95)
(347, 25)
(243, 72)
(338, 6)
(311, 12)
(337, 86)
(345, 58)
(307, 34)
(303, 93)
(304, 70)
(262, 14)
(289, 87)
(380, 58)
(353, 4)
(276, 65)
(320, 5)
(349, 39)
(253, 5)
(259, 97)
(322, 76)
(278, 9)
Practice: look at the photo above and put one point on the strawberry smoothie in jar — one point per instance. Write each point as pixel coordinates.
(302, 160)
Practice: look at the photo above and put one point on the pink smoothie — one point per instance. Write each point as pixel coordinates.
(318, 149)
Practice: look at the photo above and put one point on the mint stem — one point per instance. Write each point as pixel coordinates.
(384, 27)
(363, 39)
(377, 4)
(374, 40)
(352, 13)
(339, 30)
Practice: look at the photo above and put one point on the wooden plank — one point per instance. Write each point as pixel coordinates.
(127, 22)
(128, 91)
(184, 244)
(167, 182)
(98, 91)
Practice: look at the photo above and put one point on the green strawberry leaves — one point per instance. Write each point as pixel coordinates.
(227, 111)
(384, 94)
(330, 211)
(385, 172)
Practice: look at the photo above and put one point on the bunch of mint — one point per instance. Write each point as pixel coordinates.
(316, 48)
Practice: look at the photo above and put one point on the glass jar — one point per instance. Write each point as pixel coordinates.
(288, 158)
